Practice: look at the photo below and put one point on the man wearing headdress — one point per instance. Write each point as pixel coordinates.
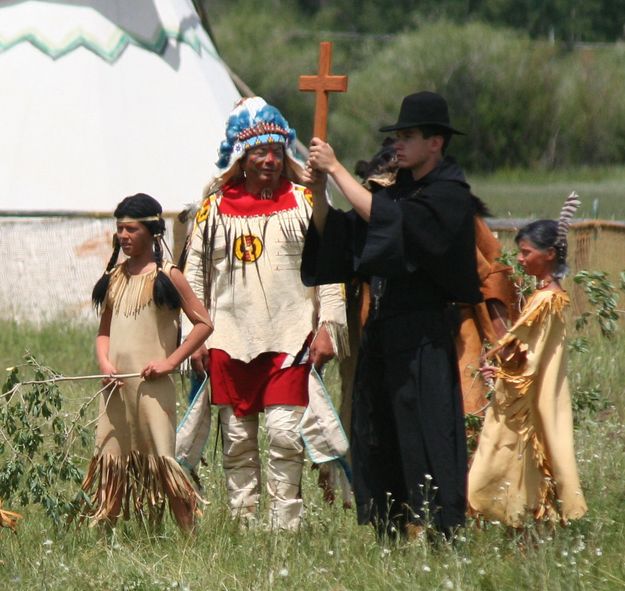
(415, 243)
(243, 260)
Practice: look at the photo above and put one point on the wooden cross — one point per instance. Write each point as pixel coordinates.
(322, 84)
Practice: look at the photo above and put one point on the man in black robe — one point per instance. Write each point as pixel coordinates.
(414, 242)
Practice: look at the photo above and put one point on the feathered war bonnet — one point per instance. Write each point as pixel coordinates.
(253, 123)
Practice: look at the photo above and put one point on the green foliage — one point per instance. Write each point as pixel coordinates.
(590, 116)
(500, 87)
(566, 20)
(39, 441)
(602, 295)
(522, 102)
(524, 284)
(588, 400)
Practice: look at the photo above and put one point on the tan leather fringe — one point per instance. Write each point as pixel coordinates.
(339, 335)
(140, 484)
(140, 289)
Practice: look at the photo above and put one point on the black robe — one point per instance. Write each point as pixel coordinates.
(418, 251)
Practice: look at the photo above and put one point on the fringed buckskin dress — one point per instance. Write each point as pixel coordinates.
(134, 466)
(525, 465)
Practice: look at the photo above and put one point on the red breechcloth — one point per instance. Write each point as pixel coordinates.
(250, 387)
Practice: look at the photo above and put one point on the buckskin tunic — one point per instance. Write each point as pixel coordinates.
(418, 251)
(244, 262)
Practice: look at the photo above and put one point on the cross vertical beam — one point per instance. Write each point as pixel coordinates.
(322, 84)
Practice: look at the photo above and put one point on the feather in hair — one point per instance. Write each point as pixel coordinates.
(567, 212)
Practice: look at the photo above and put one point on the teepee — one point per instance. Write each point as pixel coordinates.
(100, 99)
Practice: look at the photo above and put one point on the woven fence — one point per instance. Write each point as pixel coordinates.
(51, 263)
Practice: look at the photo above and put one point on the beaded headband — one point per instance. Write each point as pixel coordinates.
(149, 218)
(262, 129)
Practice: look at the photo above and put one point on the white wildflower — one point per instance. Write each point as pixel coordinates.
(284, 572)
(426, 568)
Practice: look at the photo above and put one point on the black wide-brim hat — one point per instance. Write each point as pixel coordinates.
(420, 109)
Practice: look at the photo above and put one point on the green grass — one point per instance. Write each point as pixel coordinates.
(532, 194)
(331, 551)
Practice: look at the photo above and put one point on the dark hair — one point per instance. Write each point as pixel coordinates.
(430, 130)
(140, 206)
(543, 234)
(381, 162)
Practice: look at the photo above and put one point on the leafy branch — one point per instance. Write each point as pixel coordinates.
(40, 441)
(524, 284)
(602, 295)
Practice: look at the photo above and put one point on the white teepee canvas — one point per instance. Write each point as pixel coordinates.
(100, 99)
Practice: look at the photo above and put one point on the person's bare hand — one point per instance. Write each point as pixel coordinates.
(157, 369)
(321, 349)
(199, 360)
(314, 179)
(107, 368)
(489, 373)
(321, 156)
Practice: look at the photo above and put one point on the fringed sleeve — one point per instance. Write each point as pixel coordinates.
(522, 347)
(194, 265)
(333, 316)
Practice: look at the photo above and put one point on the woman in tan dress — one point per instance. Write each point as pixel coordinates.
(134, 466)
(525, 465)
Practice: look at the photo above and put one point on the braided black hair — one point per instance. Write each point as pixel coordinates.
(543, 234)
(140, 206)
(546, 234)
(98, 294)
(165, 292)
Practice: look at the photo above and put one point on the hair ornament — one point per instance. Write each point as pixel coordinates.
(567, 212)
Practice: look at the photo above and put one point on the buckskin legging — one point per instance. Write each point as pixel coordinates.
(241, 462)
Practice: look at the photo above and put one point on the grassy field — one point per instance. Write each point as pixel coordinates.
(530, 194)
(331, 551)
